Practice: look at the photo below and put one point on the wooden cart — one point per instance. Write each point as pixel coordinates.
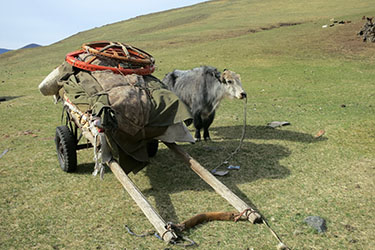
(78, 125)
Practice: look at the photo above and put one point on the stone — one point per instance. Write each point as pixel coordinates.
(317, 223)
(276, 124)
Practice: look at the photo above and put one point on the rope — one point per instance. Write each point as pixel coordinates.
(241, 140)
(244, 212)
(281, 244)
(180, 238)
(170, 228)
(149, 233)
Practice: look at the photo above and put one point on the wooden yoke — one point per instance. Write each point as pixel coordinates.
(219, 187)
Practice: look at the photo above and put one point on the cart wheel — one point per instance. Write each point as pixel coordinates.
(152, 148)
(66, 149)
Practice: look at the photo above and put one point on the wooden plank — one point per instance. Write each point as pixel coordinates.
(155, 219)
(218, 186)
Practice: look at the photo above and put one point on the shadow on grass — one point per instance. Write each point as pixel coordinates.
(8, 98)
(168, 174)
(264, 133)
(257, 161)
(86, 168)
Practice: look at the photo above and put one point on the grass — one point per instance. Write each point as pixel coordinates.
(312, 77)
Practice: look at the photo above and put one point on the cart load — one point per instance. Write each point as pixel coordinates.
(114, 91)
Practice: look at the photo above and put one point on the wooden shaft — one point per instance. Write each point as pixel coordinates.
(219, 187)
(85, 131)
(155, 219)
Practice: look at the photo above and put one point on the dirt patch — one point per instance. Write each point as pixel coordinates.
(236, 33)
(174, 23)
(288, 24)
(260, 29)
(344, 39)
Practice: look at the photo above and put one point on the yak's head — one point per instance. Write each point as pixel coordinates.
(232, 84)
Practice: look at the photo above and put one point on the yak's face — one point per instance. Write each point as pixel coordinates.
(232, 84)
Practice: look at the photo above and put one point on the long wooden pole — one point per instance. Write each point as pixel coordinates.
(155, 219)
(218, 186)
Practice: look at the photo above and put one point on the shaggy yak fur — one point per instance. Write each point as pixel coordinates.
(202, 89)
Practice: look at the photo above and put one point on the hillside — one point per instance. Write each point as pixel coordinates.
(292, 69)
(203, 23)
(4, 50)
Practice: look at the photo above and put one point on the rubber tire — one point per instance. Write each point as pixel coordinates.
(66, 149)
(152, 148)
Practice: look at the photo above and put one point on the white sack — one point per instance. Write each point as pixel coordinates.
(50, 86)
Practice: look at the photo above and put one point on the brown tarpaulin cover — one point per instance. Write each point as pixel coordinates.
(134, 109)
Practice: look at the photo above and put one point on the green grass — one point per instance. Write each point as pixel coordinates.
(312, 77)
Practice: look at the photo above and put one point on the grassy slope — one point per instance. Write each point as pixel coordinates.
(303, 74)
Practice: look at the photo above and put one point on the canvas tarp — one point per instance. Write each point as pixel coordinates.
(133, 109)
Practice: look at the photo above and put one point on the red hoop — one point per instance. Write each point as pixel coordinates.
(71, 59)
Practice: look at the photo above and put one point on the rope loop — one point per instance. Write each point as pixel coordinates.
(244, 212)
(241, 140)
(179, 241)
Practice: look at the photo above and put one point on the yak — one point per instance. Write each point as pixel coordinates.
(202, 89)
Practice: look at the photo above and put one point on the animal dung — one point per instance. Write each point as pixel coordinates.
(334, 22)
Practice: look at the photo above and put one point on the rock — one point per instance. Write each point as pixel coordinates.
(276, 124)
(219, 173)
(368, 30)
(317, 223)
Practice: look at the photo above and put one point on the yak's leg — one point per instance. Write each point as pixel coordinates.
(206, 124)
(198, 124)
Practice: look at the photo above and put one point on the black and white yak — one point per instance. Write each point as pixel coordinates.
(202, 89)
